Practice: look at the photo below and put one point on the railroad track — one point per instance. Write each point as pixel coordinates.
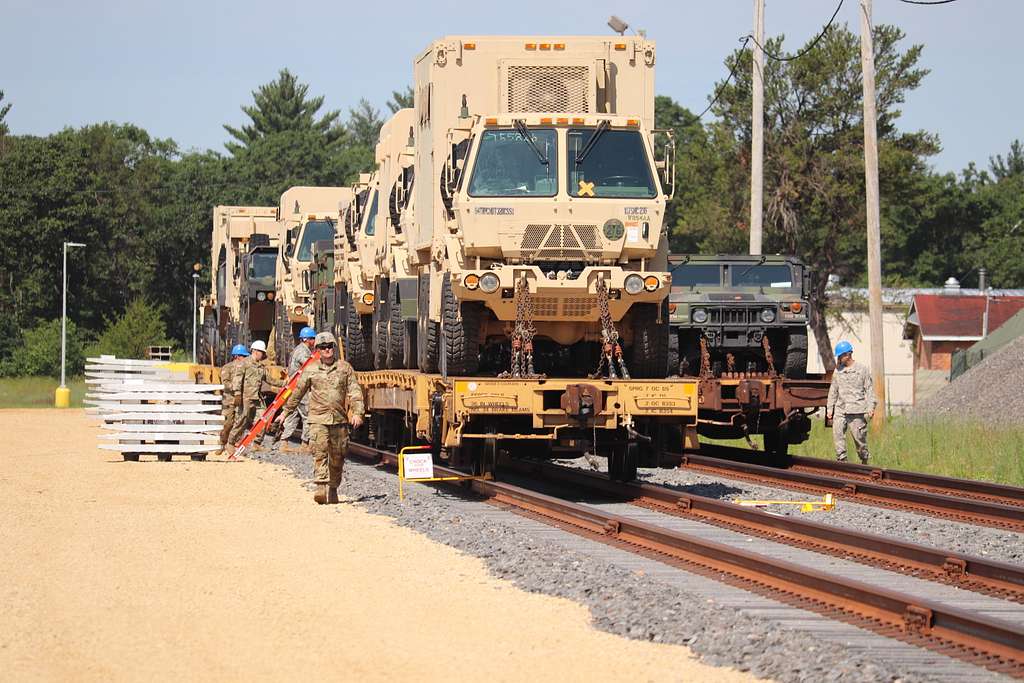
(976, 638)
(961, 500)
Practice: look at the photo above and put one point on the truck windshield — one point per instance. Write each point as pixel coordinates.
(314, 232)
(762, 276)
(371, 216)
(615, 166)
(507, 165)
(692, 275)
(262, 268)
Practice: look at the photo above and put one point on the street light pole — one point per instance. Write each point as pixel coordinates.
(195, 312)
(62, 398)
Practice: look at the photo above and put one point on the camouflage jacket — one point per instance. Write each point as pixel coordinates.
(852, 391)
(251, 379)
(227, 378)
(300, 354)
(333, 393)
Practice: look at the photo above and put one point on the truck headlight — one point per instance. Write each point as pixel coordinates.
(261, 296)
(768, 315)
(634, 284)
(489, 282)
(699, 316)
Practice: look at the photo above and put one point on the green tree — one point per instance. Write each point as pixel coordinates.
(813, 169)
(4, 108)
(364, 124)
(128, 336)
(283, 105)
(38, 354)
(401, 99)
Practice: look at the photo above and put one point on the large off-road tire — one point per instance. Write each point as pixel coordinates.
(674, 358)
(283, 340)
(381, 321)
(796, 356)
(358, 339)
(427, 332)
(460, 332)
(649, 353)
(397, 355)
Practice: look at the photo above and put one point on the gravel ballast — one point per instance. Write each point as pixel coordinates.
(621, 600)
(989, 392)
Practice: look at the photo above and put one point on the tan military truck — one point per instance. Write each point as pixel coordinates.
(354, 266)
(240, 306)
(308, 215)
(538, 242)
(395, 281)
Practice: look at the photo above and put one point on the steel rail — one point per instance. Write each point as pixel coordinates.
(968, 572)
(988, 642)
(871, 492)
(968, 488)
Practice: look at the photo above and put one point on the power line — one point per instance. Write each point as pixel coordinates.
(780, 58)
(732, 72)
(927, 2)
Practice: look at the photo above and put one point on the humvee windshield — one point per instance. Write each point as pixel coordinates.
(762, 276)
(695, 274)
(508, 166)
(314, 232)
(615, 166)
(262, 267)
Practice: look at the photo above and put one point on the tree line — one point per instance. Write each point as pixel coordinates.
(143, 204)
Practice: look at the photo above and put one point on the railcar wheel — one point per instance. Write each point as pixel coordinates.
(776, 446)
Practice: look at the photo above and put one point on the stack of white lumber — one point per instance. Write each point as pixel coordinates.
(149, 409)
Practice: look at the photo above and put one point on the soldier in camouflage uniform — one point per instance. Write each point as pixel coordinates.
(228, 404)
(851, 402)
(335, 404)
(300, 354)
(248, 383)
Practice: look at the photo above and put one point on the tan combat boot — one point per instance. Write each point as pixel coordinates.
(321, 495)
(332, 495)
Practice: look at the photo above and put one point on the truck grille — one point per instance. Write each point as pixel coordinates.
(735, 316)
(548, 306)
(555, 88)
(560, 242)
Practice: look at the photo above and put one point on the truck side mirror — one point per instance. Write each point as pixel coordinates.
(667, 164)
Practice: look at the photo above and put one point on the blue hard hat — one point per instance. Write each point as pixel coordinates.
(843, 347)
(239, 350)
(307, 333)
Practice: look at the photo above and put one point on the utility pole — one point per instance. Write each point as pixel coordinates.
(757, 132)
(62, 396)
(867, 61)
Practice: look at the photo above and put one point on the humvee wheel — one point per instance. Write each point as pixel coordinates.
(460, 332)
(358, 339)
(796, 356)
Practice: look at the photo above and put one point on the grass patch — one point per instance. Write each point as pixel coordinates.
(966, 450)
(37, 392)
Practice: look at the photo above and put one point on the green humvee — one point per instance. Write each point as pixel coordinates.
(749, 311)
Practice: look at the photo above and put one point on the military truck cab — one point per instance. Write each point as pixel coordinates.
(739, 314)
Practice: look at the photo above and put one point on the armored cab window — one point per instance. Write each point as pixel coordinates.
(314, 232)
(262, 267)
(507, 165)
(371, 217)
(608, 163)
(763, 275)
(697, 274)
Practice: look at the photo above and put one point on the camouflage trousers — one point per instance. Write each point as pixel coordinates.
(329, 444)
(245, 415)
(229, 421)
(291, 422)
(858, 429)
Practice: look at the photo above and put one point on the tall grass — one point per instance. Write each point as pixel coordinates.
(963, 449)
(37, 392)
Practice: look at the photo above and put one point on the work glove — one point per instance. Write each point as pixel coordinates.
(828, 420)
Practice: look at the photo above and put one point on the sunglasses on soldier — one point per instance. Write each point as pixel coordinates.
(325, 346)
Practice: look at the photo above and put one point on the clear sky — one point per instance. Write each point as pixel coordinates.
(181, 69)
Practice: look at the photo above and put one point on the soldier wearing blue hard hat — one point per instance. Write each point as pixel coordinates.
(229, 401)
(300, 354)
(851, 402)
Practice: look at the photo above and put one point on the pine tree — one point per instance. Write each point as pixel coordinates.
(282, 105)
(4, 108)
(401, 99)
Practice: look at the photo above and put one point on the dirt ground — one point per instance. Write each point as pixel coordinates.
(217, 570)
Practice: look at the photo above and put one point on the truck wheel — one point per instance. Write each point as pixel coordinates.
(649, 355)
(674, 359)
(796, 356)
(395, 330)
(283, 341)
(460, 332)
(380, 322)
(426, 329)
(358, 339)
